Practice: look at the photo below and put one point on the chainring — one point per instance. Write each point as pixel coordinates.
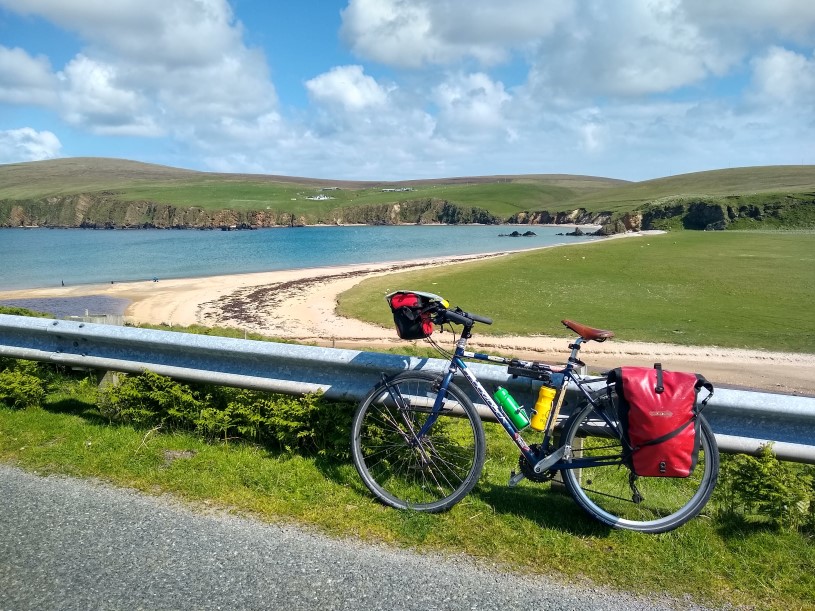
(529, 470)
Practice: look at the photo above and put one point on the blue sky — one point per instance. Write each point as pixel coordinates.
(401, 89)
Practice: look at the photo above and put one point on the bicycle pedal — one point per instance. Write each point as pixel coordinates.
(515, 479)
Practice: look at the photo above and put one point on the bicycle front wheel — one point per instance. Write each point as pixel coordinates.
(613, 494)
(405, 469)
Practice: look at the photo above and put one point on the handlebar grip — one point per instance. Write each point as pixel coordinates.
(465, 318)
(458, 318)
(482, 319)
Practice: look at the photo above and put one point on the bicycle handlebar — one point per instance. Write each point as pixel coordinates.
(465, 318)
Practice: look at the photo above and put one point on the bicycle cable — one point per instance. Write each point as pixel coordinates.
(442, 351)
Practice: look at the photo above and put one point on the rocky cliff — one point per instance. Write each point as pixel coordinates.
(732, 212)
(105, 211)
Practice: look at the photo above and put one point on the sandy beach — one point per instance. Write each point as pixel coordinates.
(300, 305)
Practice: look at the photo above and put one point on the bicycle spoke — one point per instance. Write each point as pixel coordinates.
(604, 485)
(428, 473)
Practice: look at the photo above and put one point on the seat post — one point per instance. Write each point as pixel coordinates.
(575, 350)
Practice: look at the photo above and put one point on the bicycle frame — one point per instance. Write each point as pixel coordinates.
(412, 453)
(560, 459)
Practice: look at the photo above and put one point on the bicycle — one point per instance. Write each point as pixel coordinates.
(418, 441)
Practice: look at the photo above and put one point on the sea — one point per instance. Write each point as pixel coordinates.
(41, 257)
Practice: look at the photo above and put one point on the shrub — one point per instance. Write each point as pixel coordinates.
(20, 389)
(16, 311)
(309, 424)
(151, 399)
(236, 412)
(766, 490)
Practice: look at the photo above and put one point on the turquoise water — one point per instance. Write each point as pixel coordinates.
(32, 258)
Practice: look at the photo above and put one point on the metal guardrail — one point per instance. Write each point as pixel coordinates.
(742, 420)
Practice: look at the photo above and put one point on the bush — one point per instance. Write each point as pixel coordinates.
(235, 412)
(763, 489)
(15, 311)
(309, 424)
(151, 399)
(20, 389)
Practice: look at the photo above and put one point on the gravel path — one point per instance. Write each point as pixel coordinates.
(74, 544)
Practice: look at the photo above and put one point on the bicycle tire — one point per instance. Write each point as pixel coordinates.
(429, 475)
(615, 496)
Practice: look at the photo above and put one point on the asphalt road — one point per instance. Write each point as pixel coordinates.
(73, 544)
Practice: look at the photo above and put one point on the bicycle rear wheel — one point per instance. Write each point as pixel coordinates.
(431, 473)
(613, 494)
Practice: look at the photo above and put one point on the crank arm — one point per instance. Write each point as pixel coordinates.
(546, 463)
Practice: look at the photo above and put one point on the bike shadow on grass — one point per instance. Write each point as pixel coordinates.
(544, 506)
(76, 407)
(547, 505)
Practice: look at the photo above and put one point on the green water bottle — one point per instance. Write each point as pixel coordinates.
(514, 412)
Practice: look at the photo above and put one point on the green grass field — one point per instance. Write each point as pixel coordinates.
(714, 183)
(731, 289)
(132, 181)
(530, 529)
(501, 195)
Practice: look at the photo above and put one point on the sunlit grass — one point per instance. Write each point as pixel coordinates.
(731, 289)
(528, 529)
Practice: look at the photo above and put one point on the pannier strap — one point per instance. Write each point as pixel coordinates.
(659, 388)
(667, 436)
(701, 382)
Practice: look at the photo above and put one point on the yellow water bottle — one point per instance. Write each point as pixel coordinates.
(540, 413)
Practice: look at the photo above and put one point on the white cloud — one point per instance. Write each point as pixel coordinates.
(348, 87)
(628, 48)
(172, 33)
(784, 77)
(25, 79)
(584, 48)
(472, 86)
(418, 32)
(27, 144)
(92, 97)
(152, 66)
(793, 19)
(471, 106)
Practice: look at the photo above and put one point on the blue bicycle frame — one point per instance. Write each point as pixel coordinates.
(560, 458)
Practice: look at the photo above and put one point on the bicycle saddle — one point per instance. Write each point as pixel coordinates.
(588, 333)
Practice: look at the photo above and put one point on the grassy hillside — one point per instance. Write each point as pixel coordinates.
(110, 192)
(736, 181)
(134, 181)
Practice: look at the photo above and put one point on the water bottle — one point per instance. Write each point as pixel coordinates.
(540, 413)
(514, 412)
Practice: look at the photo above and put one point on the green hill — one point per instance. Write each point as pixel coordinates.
(101, 192)
(732, 182)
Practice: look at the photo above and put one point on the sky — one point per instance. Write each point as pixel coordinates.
(408, 89)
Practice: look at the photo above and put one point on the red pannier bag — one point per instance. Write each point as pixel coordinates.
(659, 415)
(409, 314)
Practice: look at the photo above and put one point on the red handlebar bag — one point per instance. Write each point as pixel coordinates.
(409, 314)
(659, 416)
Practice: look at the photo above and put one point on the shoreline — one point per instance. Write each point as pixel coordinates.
(516, 246)
(299, 304)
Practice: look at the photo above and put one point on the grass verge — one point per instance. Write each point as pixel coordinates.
(731, 289)
(529, 529)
